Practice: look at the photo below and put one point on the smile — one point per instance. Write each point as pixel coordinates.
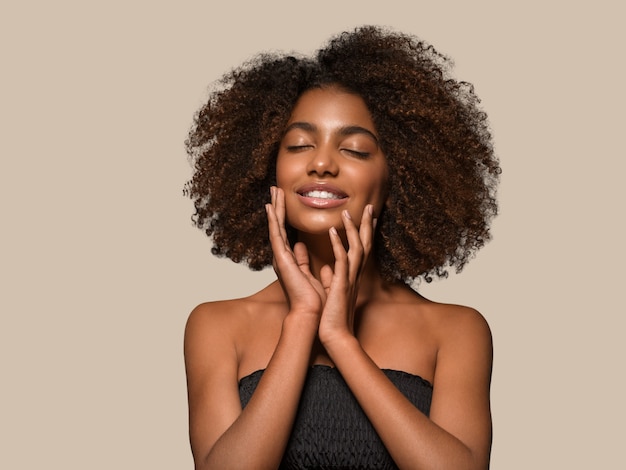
(322, 195)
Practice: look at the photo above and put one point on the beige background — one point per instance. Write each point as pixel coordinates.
(100, 265)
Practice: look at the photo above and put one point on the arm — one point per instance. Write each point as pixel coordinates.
(222, 435)
(458, 433)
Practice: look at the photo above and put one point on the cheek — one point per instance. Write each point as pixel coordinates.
(285, 171)
(378, 185)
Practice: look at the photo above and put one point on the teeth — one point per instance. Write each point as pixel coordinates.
(321, 195)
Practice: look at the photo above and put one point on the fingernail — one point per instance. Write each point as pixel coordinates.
(370, 209)
(333, 230)
(347, 214)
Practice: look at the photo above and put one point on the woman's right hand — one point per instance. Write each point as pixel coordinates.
(304, 292)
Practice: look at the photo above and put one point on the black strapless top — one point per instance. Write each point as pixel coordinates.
(331, 430)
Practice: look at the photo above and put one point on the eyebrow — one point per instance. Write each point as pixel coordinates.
(343, 131)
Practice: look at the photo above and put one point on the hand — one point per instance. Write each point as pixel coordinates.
(304, 292)
(341, 284)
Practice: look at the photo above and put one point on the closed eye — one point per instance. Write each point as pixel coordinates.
(356, 153)
(298, 148)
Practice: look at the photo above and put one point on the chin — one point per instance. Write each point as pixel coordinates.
(314, 230)
(317, 227)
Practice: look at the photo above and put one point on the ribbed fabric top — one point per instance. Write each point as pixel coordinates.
(331, 430)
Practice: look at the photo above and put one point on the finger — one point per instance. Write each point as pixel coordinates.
(302, 257)
(277, 242)
(284, 261)
(273, 195)
(279, 204)
(366, 230)
(341, 257)
(278, 212)
(355, 247)
(326, 276)
(352, 231)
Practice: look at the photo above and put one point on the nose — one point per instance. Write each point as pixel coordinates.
(323, 162)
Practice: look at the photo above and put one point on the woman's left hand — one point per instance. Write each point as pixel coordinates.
(342, 283)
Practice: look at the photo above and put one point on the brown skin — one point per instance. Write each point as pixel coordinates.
(331, 305)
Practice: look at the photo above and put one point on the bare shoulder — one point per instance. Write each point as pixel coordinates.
(460, 402)
(464, 348)
(218, 318)
(453, 323)
(216, 343)
(226, 314)
(443, 322)
(225, 331)
(221, 314)
(210, 333)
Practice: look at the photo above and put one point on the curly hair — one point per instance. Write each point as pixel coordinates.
(443, 172)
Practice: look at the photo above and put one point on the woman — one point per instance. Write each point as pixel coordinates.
(379, 170)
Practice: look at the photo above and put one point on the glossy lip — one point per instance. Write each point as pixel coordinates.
(320, 203)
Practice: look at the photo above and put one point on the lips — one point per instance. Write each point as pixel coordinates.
(321, 196)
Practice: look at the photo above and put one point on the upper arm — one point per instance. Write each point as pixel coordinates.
(460, 403)
(212, 385)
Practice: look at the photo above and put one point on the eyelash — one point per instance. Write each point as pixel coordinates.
(299, 148)
(357, 153)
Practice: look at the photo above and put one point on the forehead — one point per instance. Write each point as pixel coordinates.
(331, 106)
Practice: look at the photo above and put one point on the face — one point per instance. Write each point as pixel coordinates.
(329, 161)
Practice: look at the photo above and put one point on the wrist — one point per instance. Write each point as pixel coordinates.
(301, 321)
(339, 342)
